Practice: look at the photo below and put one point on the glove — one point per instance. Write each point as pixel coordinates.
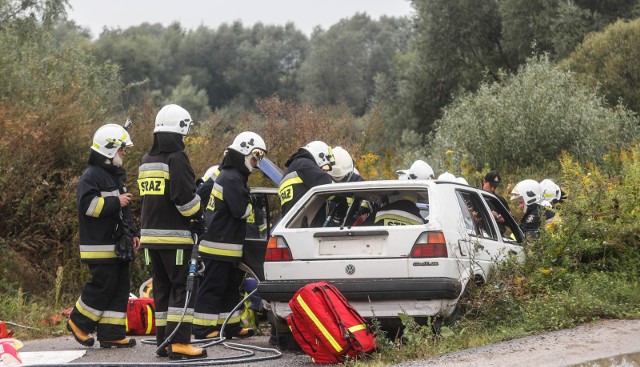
(196, 223)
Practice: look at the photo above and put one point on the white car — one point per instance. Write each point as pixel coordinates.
(419, 270)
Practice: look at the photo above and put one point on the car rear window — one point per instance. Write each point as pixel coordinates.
(364, 208)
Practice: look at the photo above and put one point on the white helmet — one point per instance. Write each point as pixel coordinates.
(529, 190)
(343, 169)
(109, 138)
(550, 190)
(321, 152)
(420, 170)
(447, 177)
(250, 145)
(173, 119)
(462, 180)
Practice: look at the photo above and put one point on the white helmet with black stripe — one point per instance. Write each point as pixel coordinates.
(322, 154)
(109, 138)
(173, 119)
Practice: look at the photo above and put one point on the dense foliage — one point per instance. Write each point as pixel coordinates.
(530, 118)
(456, 85)
(609, 59)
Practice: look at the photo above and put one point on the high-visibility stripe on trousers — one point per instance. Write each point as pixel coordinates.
(218, 294)
(102, 306)
(170, 294)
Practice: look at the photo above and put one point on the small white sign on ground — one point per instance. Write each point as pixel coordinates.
(50, 357)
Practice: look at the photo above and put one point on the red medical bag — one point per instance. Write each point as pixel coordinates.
(326, 326)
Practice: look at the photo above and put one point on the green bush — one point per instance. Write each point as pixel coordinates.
(610, 59)
(53, 98)
(528, 119)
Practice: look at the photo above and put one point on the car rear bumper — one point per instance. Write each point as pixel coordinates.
(369, 289)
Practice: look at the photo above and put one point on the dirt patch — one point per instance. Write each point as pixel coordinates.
(585, 343)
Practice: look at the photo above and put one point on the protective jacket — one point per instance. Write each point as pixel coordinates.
(99, 210)
(227, 211)
(302, 174)
(399, 213)
(170, 207)
(530, 223)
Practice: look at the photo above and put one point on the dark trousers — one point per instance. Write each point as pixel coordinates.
(103, 302)
(218, 294)
(170, 294)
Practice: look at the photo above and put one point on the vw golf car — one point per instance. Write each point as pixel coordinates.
(386, 267)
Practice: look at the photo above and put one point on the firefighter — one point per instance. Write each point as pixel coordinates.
(420, 170)
(528, 194)
(400, 210)
(221, 246)
(108, 238)
(171, 215)
(306, 168)
(338, 206)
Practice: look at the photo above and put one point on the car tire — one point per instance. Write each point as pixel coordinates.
(284, 337)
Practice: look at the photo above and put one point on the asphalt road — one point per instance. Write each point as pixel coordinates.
(144, 354)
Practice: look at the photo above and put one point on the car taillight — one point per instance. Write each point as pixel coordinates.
(277, 250)
(430, 244)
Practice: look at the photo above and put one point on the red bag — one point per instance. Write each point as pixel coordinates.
(326, 326)
(141, 316)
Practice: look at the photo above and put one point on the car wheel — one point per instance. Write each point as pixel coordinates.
(464, 301)
(283, 337)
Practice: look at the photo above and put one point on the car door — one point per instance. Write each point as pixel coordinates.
(266, 212)
(486, 247)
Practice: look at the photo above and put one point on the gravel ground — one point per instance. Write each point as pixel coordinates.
(600, 340)
(603, 339)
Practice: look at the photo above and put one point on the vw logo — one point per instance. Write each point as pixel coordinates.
(350, 269)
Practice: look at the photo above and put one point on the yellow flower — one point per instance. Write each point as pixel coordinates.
(545, 271)
(449, 152)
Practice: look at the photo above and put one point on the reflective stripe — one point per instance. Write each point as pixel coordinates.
(113, 318)
(355, 328)
(154, 170)
(95, 207)
(174, 314)
(166, 236)
(221, 249)
(97, 251)
(207, 319)
(218, 191)
(190, 208)
(179, 257)
(397, 217)
(319, 325)
(87, 311)
(161, 319)
(97, 203)
(285, 190)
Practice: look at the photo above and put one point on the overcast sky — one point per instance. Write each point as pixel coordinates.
(305, 14)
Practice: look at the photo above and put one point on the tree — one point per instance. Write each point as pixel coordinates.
(192, 99)
(342, 62)
(267, 63)
(454, 45)
(529, 118)
(609, 59)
